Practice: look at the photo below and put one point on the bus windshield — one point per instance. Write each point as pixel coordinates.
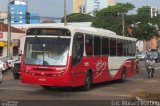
(46, 51)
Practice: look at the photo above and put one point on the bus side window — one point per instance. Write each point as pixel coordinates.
(130, 49)
(124, 48)
(97, 46)
(127, 45)
(119, 47)
(89, 45)
(133, 48)
(113, 47)
(105, 46)
(78, 48)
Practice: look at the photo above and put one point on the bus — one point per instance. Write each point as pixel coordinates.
(67, 56)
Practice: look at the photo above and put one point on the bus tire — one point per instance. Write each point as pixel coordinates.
(16, 76)
(47, 87)
(1, 76)
(88, 82)
(123, 76)
(137, 69)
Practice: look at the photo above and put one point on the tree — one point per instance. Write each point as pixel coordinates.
(78, 17)
(140, 25)
(48, 21)
(111, 17)
(144, 31)
(145, 27)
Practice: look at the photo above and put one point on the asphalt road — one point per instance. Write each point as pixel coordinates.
(12, 89)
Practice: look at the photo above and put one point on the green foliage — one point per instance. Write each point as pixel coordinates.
(144, 31)
(145, 27)
(140, 25)
(144, 13)
(156, 21)
(111, 17)
(78, 17)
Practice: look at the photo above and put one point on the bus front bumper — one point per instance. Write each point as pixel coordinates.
(46, 81)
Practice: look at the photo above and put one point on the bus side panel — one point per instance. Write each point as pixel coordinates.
(131, 68)
(96, 64)
(100, 69)
(130, 65)
(78, 72)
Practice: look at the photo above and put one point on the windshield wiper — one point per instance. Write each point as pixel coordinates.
(41, 45)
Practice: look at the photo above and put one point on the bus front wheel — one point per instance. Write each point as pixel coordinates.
(88, 81)
(47, 87)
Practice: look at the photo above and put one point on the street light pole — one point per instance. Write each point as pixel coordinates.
(9, 33)
(65, 15)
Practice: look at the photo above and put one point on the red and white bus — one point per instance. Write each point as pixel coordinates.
(76, 56)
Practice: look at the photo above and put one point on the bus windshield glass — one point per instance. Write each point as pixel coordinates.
(47, 51)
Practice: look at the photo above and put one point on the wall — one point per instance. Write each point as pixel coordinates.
(152, 44)
(140, 45)
(13, 36)
(93, 5)
(76, 5)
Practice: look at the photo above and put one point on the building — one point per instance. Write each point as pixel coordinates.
(95, 5)
(16, 36)
(18, 11)
(77, 5)
(89, 6)
(3, 17)
(20, 15)
(34, 18)
(154, 12)
(111, 2)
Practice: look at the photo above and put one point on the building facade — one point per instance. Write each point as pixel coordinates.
(89, 6)
(18, 11)
(34, 18)
(3, 17)
(111, 2)
(77, 5)
(16, 36)
(95, 5)
(20, 15)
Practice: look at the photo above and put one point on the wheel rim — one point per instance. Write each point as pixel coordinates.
(124, 76)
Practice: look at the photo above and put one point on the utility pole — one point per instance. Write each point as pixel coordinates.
(123, 23)
(65, 14)
(9, 32)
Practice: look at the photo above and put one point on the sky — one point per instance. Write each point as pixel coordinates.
(54, 8)
(47, 8)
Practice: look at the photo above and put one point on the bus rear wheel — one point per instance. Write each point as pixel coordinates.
(16, 76)
(123, 76)
(88, 82)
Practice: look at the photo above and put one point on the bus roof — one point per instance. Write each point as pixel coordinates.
(90, 30)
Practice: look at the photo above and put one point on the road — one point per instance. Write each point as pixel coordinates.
(12, 89)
